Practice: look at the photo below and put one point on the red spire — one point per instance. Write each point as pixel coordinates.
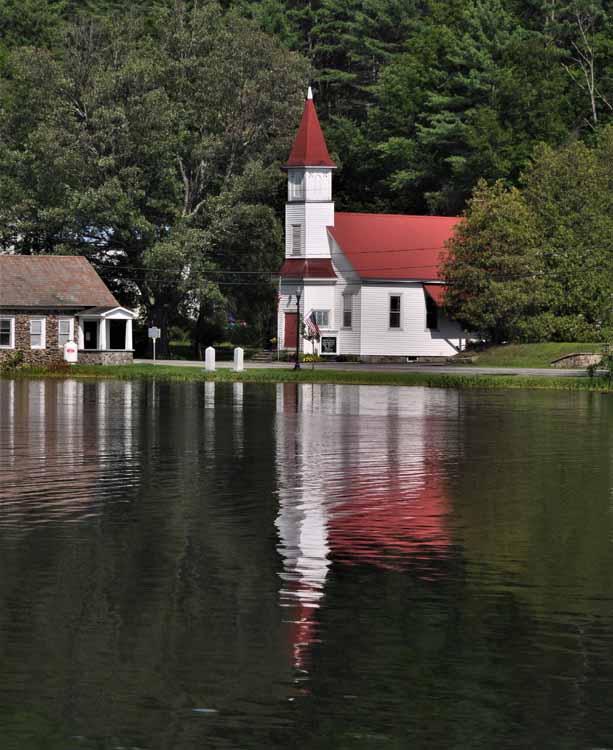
(309, 149)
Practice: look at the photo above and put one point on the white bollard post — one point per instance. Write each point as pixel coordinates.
(209, 359)
(239, 356)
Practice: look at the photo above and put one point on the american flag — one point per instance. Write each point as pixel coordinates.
(311, 325)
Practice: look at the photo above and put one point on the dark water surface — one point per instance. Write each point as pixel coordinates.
(200, 566)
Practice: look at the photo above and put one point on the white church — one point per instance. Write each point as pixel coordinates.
(371, 281)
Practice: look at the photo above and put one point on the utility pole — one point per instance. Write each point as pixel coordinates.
(298, 329)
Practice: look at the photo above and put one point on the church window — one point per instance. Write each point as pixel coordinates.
(322, 318)
(347, 310)
(394, 320)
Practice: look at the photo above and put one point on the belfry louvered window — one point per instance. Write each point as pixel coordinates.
(296, 239)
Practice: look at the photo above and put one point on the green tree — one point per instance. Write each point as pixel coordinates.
(536, 263)
(493, 269)
(139, 145)
(469, 99)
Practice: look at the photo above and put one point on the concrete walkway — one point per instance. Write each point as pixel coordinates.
(424, 368)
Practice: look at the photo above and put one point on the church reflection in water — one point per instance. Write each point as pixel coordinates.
(360, 470)
(360, 483)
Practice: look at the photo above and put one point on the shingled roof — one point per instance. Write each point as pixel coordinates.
(51, 281)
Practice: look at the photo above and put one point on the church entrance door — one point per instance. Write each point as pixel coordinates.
(291, 329)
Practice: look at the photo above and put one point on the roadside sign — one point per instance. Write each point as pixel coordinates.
(154, 334)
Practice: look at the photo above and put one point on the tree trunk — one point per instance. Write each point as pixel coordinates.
(157, 315)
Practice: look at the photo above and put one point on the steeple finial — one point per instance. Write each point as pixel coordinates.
(310, 93)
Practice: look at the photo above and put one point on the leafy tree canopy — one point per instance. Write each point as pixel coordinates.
(536, 263)
(146, 147)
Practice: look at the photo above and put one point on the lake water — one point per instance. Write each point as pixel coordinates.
(313, 566)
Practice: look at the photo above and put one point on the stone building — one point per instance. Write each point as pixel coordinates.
(49, 300)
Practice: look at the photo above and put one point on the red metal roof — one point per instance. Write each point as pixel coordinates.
(314, 268)
(393, 246)
(309, 149)
(437, 292)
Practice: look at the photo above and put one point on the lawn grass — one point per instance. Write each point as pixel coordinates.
(530, 355)
(351, 377)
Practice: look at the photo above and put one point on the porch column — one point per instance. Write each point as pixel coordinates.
(129, 335)
(102, 334)
(80, 337)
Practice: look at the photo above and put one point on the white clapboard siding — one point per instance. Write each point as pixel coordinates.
(314, 218)
(349, 338)
(294, 214)
(317, 184)
(413, 339)
(348, 281)
(320, 296)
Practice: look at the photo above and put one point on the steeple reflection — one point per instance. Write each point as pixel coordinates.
(360, 482)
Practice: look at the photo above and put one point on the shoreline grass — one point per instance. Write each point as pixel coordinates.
(348, 377)
(530, 355)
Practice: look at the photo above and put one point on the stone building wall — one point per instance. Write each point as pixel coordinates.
(578, 360)
(51, 354)
(104, 357)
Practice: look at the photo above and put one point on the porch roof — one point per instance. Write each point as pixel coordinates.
(102, 312)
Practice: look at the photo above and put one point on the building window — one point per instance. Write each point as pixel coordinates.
(64, 331)
(395, 311)
(296, 185)
(431, 314)
(347, 310)
(322, 318)
(7, 332)
(37, 333)
(296, 239)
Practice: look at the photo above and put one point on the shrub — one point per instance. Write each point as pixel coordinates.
(12, 362)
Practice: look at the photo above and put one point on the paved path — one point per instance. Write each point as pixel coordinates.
(424, 368)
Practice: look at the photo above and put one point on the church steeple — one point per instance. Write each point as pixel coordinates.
(309, 149)
(309, 209)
